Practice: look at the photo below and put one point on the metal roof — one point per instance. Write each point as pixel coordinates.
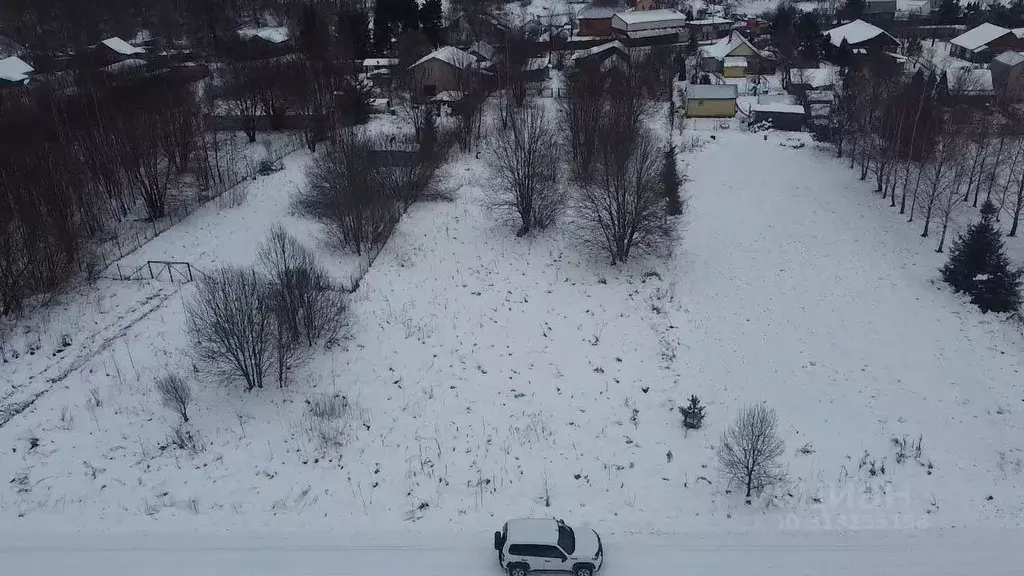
(711, 92)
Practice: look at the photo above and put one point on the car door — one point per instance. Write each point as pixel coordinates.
(554, 559)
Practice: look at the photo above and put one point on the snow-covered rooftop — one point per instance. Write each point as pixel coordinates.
(724, 46)
(14, 69)
(121, 47)
(778, 108)
(648, 19)
(483, 49)
(710, 21)
(380, 62)
(450, 55)
(613, 45)
(980, 36)
(970, 82)
(591, 12)
(854, 33)
(1018, 32)
(448, 96)
(124, 65)
(536, 64)
(274, 35)
(533, 531)
(814, 77)
(711, 92)
(1010, 58)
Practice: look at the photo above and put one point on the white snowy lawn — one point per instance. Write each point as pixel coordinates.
(491, 376)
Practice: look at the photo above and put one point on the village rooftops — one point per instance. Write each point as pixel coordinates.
(854, 33)
(15, 70)
(979, 37)
(648, 20)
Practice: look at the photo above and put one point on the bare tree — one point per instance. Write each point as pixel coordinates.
(240, 89)
(750, 448)
(621, 208)
(175, 394)
(581, 113)
(231, 323)
(1016, 199)
(344, 192)
(524, 160)
(311, 308)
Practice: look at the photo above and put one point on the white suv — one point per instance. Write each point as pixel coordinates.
(547, 545)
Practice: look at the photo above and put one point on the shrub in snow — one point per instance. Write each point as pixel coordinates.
(184, 439)
(750, 448)
(328, 421)
(313, 308)
(693, 414)
(978, 266)
(345, 191)
(175, 394)
(308, 308)
(522, 157)
(231, 323)
(671, 182)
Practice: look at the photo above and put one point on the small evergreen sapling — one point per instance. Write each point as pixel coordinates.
(978, 266)
(693, 415)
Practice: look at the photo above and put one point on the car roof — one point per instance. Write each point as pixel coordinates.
(533, 531)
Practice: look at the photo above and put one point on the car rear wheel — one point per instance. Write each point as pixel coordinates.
(583, 571)
(517, 570)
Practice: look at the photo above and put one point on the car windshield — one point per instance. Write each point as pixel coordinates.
(566, 539)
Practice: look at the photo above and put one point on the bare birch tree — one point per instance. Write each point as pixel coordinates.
(749, 450)
(523, 157)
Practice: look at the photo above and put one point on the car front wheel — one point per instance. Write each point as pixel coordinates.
(517, 570)
(583, 571)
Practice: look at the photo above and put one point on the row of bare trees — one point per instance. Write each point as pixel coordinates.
(918, 138)
(324, 94)
(76, 161)
(610, 181)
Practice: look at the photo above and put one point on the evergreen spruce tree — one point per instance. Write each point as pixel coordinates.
(670, 180)
(353, 32)
(314, 39)
(978, 266)
(430, 21)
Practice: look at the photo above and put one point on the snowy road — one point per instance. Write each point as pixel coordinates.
(929, 553)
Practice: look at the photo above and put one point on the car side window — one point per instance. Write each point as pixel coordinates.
(519, 550)
(549, 552)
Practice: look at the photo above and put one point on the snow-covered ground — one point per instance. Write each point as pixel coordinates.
(490, 377)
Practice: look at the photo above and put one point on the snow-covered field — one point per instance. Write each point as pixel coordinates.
(490, 377)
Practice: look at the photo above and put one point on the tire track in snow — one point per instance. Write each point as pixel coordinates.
(44, 383)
